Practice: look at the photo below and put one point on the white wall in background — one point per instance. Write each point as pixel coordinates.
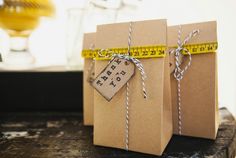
(48, 41)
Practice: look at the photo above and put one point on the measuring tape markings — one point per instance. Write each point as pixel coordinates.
(148, 51)
(201, 48)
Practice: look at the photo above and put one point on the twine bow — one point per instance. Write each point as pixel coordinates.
(136, 62)
(140, 67)
(178, 71)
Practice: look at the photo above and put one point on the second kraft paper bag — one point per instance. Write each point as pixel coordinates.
(130, 120)
(87, 54)
(194, 79)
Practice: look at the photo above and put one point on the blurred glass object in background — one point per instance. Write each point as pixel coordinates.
(19, 18)
(85, 19)
(74, 37)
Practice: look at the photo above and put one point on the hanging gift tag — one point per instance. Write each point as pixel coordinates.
(116, 74)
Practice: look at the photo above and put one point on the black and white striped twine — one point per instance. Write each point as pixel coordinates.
(179, 72)
(140, 67)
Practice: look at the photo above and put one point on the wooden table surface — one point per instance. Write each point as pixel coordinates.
(62, 135)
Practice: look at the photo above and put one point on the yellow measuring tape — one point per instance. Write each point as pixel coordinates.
(136, 52)
(147, 51)
(201, 48)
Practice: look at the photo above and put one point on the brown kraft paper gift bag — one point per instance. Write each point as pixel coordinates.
(150, 120)
(88, 42)
(197, 115)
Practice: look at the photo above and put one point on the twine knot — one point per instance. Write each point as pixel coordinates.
(178, 71)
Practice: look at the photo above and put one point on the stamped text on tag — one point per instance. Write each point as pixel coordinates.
(115, 75)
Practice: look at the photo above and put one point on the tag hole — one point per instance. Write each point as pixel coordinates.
(126, 63)
(170, 64)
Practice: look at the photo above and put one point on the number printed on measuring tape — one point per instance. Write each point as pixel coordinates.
(201, 48)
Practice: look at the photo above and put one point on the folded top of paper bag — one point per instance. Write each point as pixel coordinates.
(116, 35)
(207, 33)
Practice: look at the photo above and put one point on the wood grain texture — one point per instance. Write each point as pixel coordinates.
(62, 135)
